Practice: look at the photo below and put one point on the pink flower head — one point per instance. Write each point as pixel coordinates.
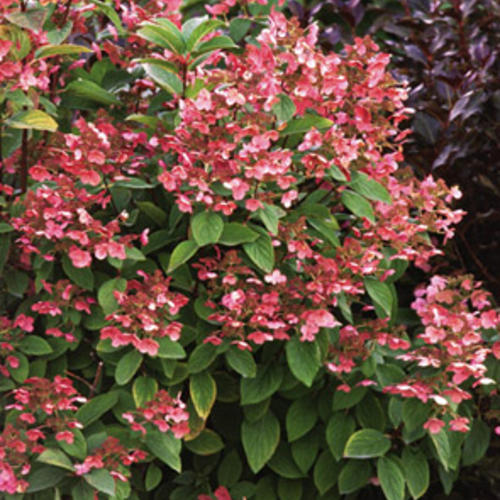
(434, 425)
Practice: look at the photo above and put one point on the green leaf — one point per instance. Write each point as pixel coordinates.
(165, 447)
(216, 43)
(164, 78)
(78, 448)
(264, 384)
(44, 478)
(261, 252)
(58, 458)
(306, 123)
(20, 374)
(260, 440)
(207, 228)
(34, 346)
(442, 447)
(353, 476)
(282, 463)
(270, 216)
(326, 472)
(391, 479)
(57, 35)
(380, 293)
(102, 481)
(127, 367)
(476, 443)
(289, 489)
(230, 469)
(284, 109)
(235, 233)
(300, 418)
(239, 27)
(304, 450)
(339, 428)
(203, 391)
(17, 282)
(31, 19)
(170, 349)
(83, 277)
(202, 29)
(207, 442)
(153, 477)
(241, 362)
(181, 254)
(154, 212)
(369, 413)
(166, 35)
(414, 413)
(143, 390)
(133, 183)
(357, 204)
(60, 50)
(105, 296)
(369, 188)
(33, 119)
(5, 228)
(92, 91)
(416, 469)
(303, 359)
(367, 443)
(96, 407)
(202, 357)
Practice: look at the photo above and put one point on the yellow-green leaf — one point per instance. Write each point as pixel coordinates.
(33, 119)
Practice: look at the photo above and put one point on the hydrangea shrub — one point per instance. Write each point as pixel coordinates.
(204, 231)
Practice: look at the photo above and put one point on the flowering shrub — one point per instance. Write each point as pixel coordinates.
(201, 247)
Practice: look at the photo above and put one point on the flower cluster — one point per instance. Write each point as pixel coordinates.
(112, 456)
(163, 412)
(144, 315)
(11, 334)
(48, 405)
(455, 313)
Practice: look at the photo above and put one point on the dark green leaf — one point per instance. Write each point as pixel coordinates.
(239, 27)
(206, 228)
(81, 276)
(284, 109)
(476, 443)
(153, 477)
(170, 349)
(57, 458)
(300, 418)
(306, 123)
(206, 443)
(241, 361)
(105, 295)
(216, 43)
(380, 293)
(164, 78)
(235, 234)
(282, 463)
(44, 478)
(369, 188)
(127, 367)
(93, 409)
(35, 346)
(442, 447)
(230, 469)
(143, 390)
(102, 481)
(91, 90)
(367, 443)
(303, 359)
(391, 479)
(326, 472)
(201, 357)
(304, 450)
(261, 252)
(181, 254)
(416, 469)
(358, 205)
(260, 440)
(167, 36)
(166, 447)
(353, 476)
(203, 391)
(264, 384)
(340, 427)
